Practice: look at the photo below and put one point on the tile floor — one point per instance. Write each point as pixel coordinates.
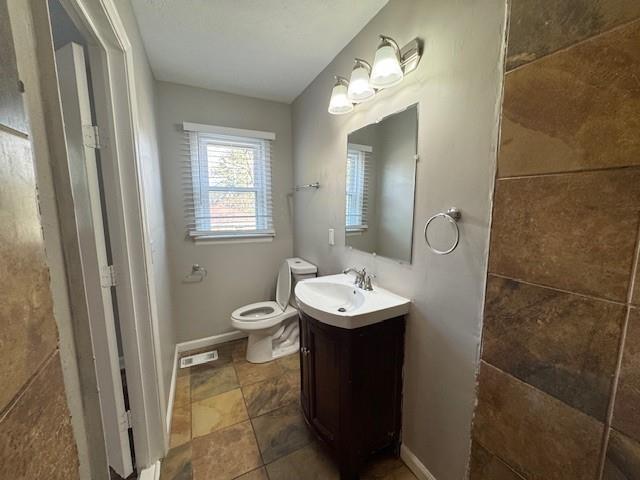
(237, 420)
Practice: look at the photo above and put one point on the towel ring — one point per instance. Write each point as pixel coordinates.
(452, 215)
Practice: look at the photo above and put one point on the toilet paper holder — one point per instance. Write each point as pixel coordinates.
(198, 274)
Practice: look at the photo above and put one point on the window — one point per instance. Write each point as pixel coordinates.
(358, 159)
(229, 184)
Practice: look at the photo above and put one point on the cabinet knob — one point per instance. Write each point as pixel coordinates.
(304, 350)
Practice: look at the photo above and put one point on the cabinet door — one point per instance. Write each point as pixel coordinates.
(305, 366)
(324, 355)
(377, 382)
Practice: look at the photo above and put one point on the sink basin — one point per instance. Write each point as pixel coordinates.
(335, 300)
(333, 296)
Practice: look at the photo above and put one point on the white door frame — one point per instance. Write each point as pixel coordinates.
(111, 62)
(83, 168)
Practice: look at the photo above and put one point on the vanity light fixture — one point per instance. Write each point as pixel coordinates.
(340, 103)
(391, 64)
(386, 71)
(360, 89)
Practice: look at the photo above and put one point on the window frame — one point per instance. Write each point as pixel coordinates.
(201, 226)
(361, 167)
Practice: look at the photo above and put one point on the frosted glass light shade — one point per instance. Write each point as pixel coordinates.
(359, 88)
(386, 71)
(339, 102)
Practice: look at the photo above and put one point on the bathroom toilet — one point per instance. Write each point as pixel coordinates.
(273, 326)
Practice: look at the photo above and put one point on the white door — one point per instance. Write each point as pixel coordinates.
(82, 140)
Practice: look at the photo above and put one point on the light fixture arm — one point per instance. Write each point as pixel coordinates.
(358, 62)
(389, 41)
(341, 80)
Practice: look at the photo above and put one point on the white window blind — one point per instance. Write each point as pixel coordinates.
(358, 168)
(227, 181)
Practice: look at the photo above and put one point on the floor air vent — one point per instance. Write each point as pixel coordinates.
(198, 358)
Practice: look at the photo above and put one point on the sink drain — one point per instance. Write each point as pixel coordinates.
(342, 309)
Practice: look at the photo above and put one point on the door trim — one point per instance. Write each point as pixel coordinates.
(151, 473)
(83, 169)
(114, 89)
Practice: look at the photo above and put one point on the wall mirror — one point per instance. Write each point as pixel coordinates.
(380, 186)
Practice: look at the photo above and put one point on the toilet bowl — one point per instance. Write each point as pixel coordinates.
(272, 326)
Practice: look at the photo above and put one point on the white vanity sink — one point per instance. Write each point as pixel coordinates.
(336, 301)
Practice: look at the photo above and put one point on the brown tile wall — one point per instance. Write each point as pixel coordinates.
(36, 438)
(559, 382)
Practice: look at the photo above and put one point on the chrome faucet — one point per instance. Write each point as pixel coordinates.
(367, 282)
(363, 279)
(360, 275)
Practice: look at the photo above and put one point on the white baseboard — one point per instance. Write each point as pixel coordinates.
(415, 465)
(151, 473)
(172, 396)
(209, 341)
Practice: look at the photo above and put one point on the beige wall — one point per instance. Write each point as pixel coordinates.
(458, 87)
(239, 273)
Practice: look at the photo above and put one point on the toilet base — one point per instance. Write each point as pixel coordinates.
(266, 345)
(284, 351)
(260, 347)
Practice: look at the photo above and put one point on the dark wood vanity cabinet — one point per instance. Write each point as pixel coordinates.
(351, 388)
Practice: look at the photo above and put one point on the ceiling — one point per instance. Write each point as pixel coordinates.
(269, 49)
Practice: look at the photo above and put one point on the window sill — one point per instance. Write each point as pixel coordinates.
(351, 232)
(212, 240)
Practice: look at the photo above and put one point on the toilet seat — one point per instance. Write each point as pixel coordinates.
(261, 315)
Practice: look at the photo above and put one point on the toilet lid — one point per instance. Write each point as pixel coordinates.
(283, 287)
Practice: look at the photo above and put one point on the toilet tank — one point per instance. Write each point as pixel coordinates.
(300, 269)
